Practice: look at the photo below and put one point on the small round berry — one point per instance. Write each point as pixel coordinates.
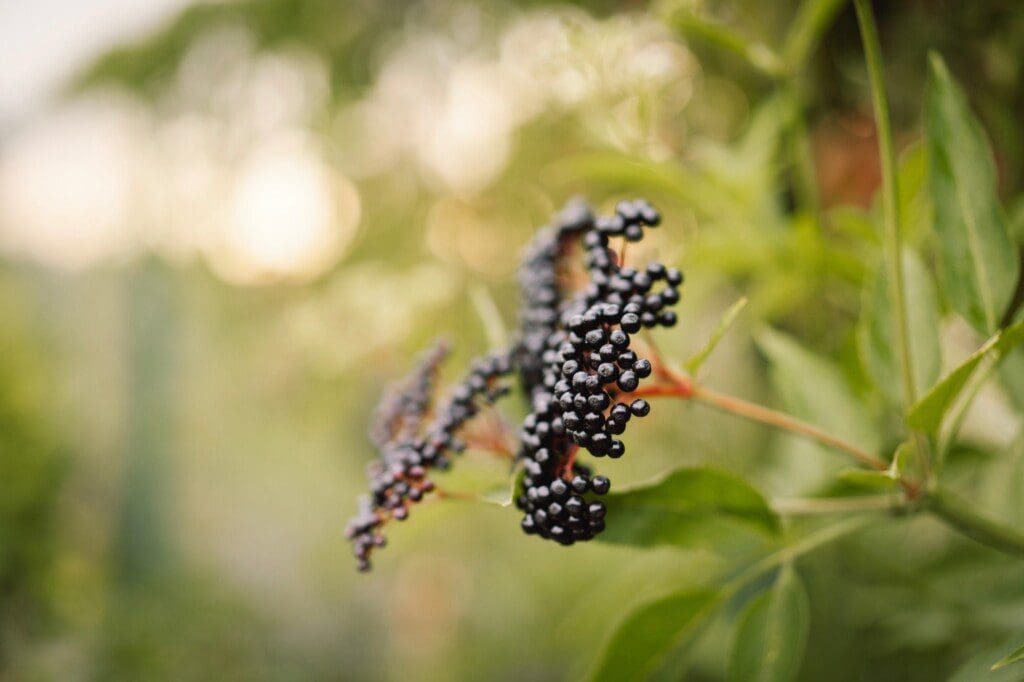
(640, 407)
(614, 427)
(608, 372)
(600, 484)
(642, 368)
(630, 323)
(628, 381)
(580, 483)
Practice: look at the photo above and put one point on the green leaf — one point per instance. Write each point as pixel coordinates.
(927, 414)
(694, 27)
(622, 171)
(877, 339)
(645, 638)
(814, 389)
(904, 460)
(811, 22)
(693, 365)
(694, 507)
(504, 494)
(1013, 657)
(979, 262)
(772, 634)
(979, 667)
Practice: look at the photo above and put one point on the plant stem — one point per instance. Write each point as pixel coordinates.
(890, 191)
(788, 554)
(836, 505)
(960, 515)
(780, 420)
(890, 211)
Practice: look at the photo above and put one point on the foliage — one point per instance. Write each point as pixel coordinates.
(740, 551)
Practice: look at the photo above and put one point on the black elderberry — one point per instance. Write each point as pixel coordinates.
(559, 488)
(619, 339)
(630, 323)
(600, 484)
(628, 381)
(640, 407)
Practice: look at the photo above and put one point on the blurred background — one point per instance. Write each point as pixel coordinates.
(225, 226)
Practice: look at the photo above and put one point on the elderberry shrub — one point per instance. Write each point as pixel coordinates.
(587, 367)
(409, 446)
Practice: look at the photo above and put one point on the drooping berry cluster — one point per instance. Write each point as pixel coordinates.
(588, 365)
(409, 446)
(578, 365)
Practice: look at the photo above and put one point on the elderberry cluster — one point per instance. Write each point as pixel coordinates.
(541, 283)
(587, 365)
(409, 446)
(581, 309)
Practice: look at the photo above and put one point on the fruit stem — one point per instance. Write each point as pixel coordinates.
(781, 420)
(677, 384)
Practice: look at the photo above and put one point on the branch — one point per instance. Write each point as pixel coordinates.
(960, 515)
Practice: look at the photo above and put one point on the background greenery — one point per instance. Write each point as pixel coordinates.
(181, 430)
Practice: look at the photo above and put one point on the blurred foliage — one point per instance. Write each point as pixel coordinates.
(249, 402)
(32, 469)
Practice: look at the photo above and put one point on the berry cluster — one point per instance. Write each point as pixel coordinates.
(409, 447)
(542, 287)
(587, 365)
(578, 366)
